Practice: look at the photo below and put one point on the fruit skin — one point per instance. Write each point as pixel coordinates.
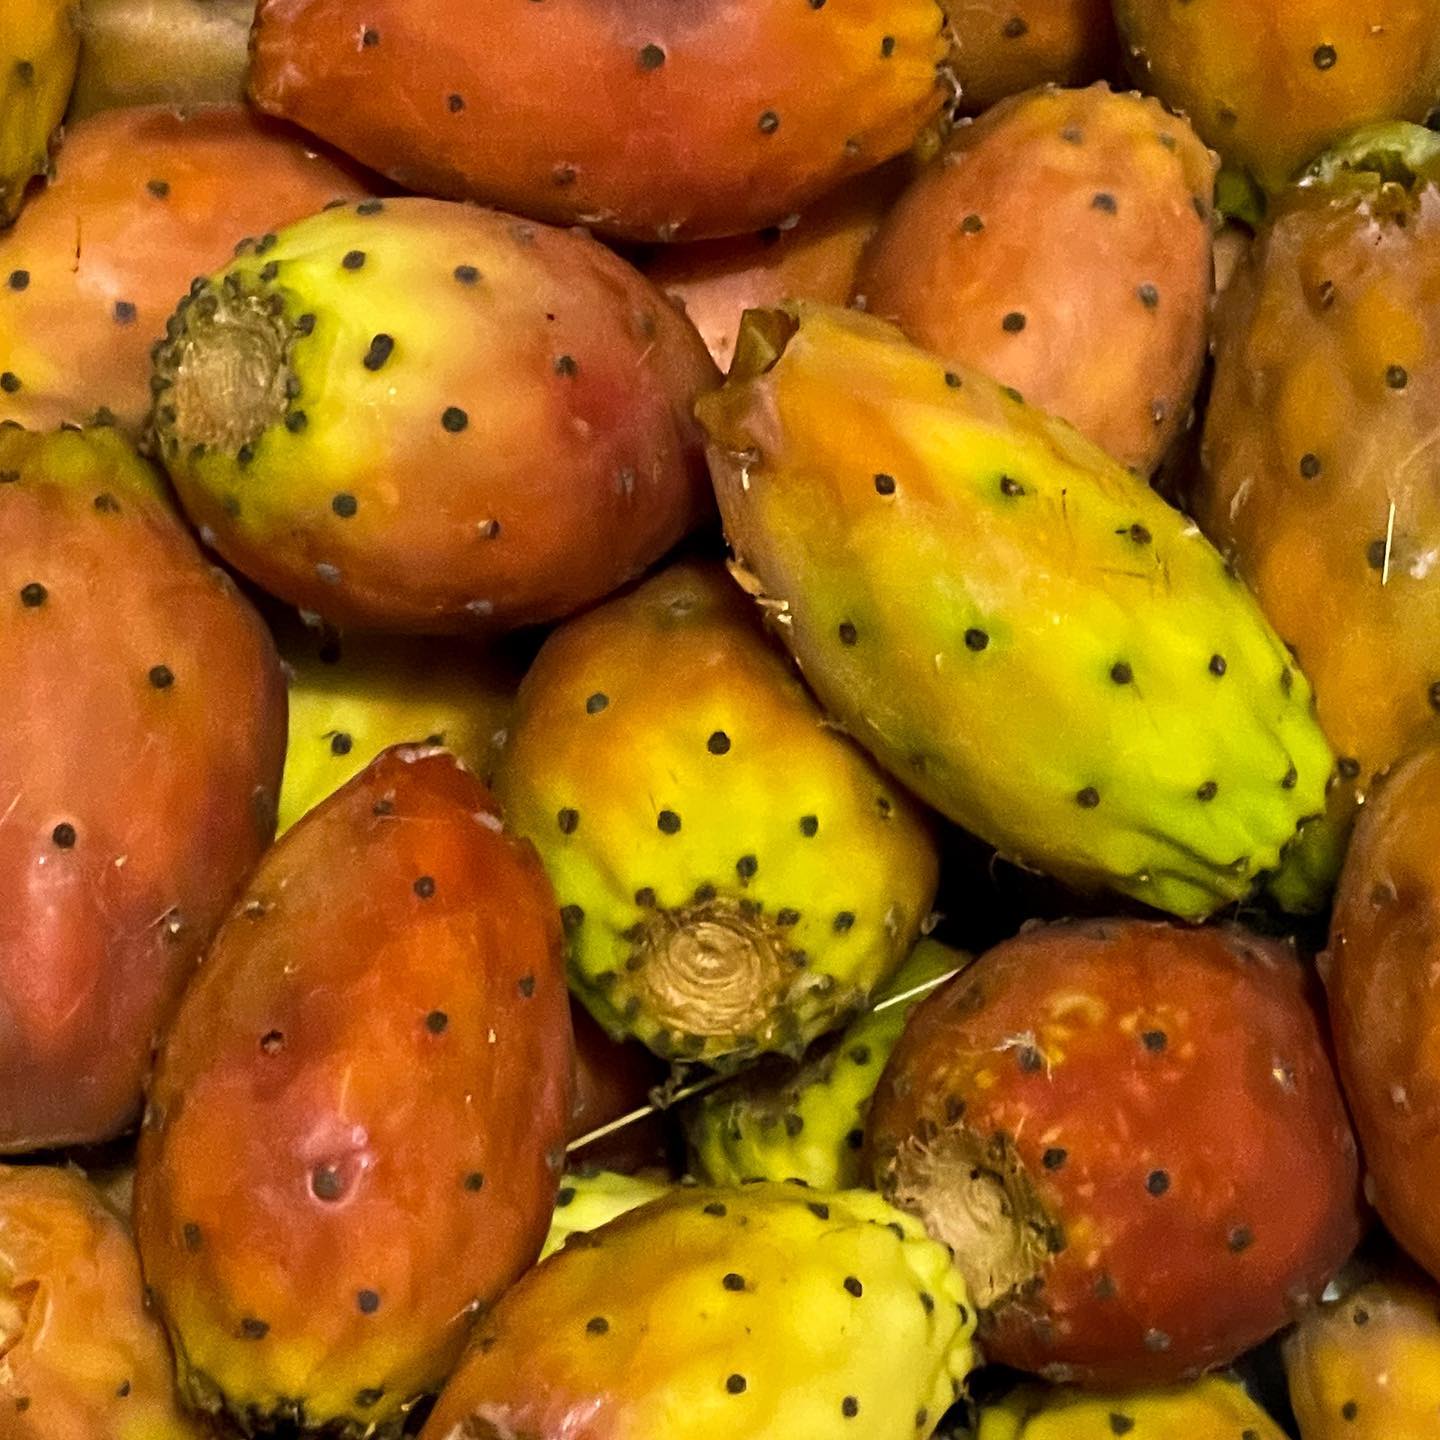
(157, 196)
(1061, 244)
(1002, 47)
(161, 52)
(140, 757)
(806, 1122)
(84, 1359)
(769, 1312)
(736, 877)
(358, 1118)
(1270, 85)
(716, 281)
(412, 442)
(1385, 1002)
(38, 51)
(589, 1199)
(611, 1080)
(1214, 1408)
(1089, 1096)
(692, 122)
(934, 547)
(353, 696)
(1308, 442)
(1367, 1366)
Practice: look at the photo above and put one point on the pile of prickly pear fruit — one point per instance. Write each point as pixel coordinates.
(719, 722)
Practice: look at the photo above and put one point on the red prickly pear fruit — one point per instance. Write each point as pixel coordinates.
(1271, 83)
(1381, 970)
(1087, 1097)
(1005, 46)
(1062, 245)
(161, 52)
(424, 417)
(84, 1358)
(156, 197)
(357, 1124)
(691, 122)
(142, 730)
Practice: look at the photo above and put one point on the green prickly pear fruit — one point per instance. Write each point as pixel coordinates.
(770, 1312)
(589, 1199)
(353, 696)
(39, 48)
(414, 416)
(1016, 626)
(735, 876)
(807, 1122)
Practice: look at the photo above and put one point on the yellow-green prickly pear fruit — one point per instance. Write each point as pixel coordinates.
(772, 1312)
(39, 49)
(1215, 1408)
(1016, 626)
(734, 874)
(1367, 1366)
(589, 1199)
(353, 696)
(807, 1121)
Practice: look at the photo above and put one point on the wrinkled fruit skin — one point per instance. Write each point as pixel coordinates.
(735, 876)
(155, 198)
(1208, 1409)
(427, 417)
(769, 1312)
(806, 1122)
(38, 51)
(1367, 1367)
(353, 696)
(358, 1119)
(589, 1199)
(1384, 991)
(84, 1360)
(1088, 1097)
(934, 547)
(1002, 47)
(142, 729)
(691, 122)
(161, 52)
(1271, 84)
(1061, 244)
(611, 1080)
(1320, 419)
(716, 281)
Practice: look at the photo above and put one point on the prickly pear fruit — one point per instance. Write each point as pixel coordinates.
(161, 52)
(768, 1312)
(806, 1122)
(933, 547)
(428, 417)
(1087, 1097)
(1061, 244)
(1214, 1408)
(589, 1199)
(691, 122)
(1270, 85)
(358, 1120)
(142, 729)
(1319, 478)
(717, 281)
(1367, 1366)
(353, 696)
(1002, 47)
(84, 1359)
(736, 877)
(611, 1080)
(156, 197)
(39, 47)
(1381, 975)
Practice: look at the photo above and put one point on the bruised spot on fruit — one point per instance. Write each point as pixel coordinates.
(974, 1195)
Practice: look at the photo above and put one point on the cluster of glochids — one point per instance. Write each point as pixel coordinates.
(647, 734)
